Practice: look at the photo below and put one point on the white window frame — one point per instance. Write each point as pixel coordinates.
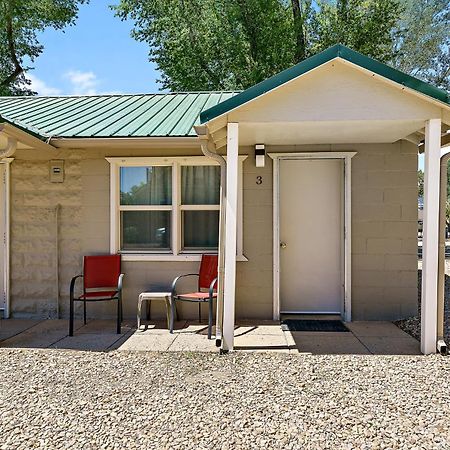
(176, 254)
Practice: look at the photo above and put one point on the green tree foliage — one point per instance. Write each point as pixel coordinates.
(363, 25)
(423, 41)
(20, 23)
(233, 44)
(420, 182)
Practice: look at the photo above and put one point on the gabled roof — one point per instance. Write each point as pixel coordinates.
(99, 116)
(336, 51)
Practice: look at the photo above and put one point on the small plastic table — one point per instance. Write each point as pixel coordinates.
(149, 296)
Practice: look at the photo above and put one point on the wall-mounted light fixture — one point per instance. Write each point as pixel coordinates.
(260, 153)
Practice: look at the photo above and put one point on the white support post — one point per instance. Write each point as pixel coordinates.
(430, 236)
(230, 237)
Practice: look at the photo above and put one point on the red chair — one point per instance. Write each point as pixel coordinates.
(207, 280)
(102, 281)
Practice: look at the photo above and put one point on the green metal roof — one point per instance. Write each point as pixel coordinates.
(147, 115)
(337, 51)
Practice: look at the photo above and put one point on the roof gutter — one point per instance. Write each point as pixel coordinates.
(28, 139)
(120, 142)
(210, 152)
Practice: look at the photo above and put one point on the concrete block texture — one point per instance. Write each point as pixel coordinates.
(384, 227)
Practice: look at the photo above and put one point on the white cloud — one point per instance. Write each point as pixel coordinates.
(39, 86)
(83, 83)
(76, 82)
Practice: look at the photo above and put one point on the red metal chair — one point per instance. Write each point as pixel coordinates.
(102, 281)
(207, 280)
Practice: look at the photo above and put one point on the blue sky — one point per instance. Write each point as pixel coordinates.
(95, 56)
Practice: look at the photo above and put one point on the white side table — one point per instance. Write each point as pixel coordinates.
(149, 296)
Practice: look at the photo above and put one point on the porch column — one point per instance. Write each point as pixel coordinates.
(229, 285)
(430, 236)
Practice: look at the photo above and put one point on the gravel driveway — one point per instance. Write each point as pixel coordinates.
(79, 400)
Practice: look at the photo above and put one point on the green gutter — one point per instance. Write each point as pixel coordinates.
(23, 128)
(336, 51)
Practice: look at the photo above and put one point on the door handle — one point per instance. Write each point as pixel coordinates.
(283, 245)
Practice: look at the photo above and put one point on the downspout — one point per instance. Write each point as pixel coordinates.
(10, 148)
(6, 152)
(440, 344)
(203, 136)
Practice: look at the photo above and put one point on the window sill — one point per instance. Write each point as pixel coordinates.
(165, 257)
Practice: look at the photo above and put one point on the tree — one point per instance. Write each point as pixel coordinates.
(420, 175)
(422, 44)
(20, 22)
(234, 44)
(365, 26)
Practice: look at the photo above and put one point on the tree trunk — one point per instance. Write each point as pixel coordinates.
(300, 51)
(12, 53)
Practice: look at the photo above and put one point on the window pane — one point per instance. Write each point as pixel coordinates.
(146, 185)
(200, 229)
(145, 230)
(200, 185)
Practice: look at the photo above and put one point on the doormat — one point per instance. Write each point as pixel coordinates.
(313, 325)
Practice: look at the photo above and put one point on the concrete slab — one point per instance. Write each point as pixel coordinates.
(87, 342)
(273, 328)
(262, 342)
(327, 343)
(159, 327)
(105, 326)
(375, 328)
(11, 327)
(192, 342)
(42, 335)
(388, 345)
(149, 342)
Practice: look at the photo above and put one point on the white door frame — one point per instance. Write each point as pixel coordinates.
(347, 157)
(4, 240)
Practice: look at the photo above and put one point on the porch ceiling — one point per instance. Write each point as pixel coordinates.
(337, 132)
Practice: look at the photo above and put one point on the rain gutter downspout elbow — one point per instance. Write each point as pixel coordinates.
(10, 148)
(208, 152)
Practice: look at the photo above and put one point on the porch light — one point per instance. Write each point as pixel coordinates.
(260, 154)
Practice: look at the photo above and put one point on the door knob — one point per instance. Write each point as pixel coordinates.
(283, 244)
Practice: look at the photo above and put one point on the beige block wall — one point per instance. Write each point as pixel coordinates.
(384, 231)
(384, 221)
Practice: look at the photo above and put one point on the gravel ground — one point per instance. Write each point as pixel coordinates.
(51, 399)
(410, 326)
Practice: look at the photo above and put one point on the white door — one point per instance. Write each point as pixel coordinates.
(311, 236)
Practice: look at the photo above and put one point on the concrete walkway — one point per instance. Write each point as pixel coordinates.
(381, 338)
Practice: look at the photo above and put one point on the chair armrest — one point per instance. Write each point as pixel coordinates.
(72, 284)
(120, 282)
(211, 286)
(175, 281)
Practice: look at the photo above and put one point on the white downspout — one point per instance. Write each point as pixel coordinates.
(202, 134)
(440, 345)
(10, 148)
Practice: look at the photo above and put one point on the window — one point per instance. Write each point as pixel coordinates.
(166, 208)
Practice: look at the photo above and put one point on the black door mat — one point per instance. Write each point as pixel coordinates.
(313, 325)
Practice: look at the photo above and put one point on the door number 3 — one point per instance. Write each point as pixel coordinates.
(259, 179)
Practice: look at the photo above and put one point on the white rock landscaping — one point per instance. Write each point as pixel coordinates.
(57, 399)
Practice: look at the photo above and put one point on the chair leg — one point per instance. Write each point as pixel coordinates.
(210, 317)
(139, 309)
(84, 312)
(71, 317)
(199, 313)
(172, 314)
(167, 302)
(119, 314)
